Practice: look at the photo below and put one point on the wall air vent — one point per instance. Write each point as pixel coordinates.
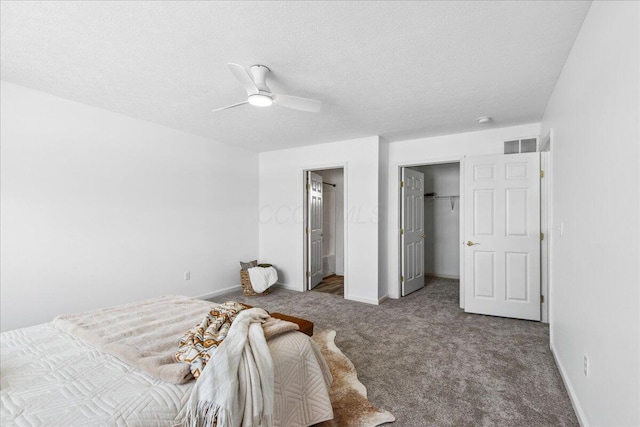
(527, 145)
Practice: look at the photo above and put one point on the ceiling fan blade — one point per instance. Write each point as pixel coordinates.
(230, 106)
(244, 78)
(297, 103)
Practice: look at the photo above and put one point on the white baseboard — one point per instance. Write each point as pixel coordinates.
(383, 299)
(219, 292)
(442, 276)
(572, 394)
(361, 299)
(289, 288)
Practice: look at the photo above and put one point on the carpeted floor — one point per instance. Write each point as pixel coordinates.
(430, 364)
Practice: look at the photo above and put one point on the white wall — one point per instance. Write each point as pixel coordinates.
(595, 281)
(441, 223)
(100, 208)
(328, 221)
(281, 211)
(439, 149)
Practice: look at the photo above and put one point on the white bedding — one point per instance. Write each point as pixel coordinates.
(49, 378)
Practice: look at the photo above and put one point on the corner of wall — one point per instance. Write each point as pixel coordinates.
(383, 219)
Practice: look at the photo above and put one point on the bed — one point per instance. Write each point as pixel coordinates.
(51, 376)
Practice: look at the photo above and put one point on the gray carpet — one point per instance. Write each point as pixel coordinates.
(430, 364)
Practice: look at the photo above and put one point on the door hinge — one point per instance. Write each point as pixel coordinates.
(402, 278)
(307, 230)
(541, 236)
(541, 174)
(541, 299)
(308, 186)
(402, 231)
(308, 274)
(401, 183)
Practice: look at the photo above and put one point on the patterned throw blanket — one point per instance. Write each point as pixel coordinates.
(197, 345)
(237, 386)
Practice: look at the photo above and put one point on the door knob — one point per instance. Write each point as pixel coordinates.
(422, 235)
(470, 243)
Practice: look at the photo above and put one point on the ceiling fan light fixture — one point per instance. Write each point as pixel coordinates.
(259, 94)
(260, 100)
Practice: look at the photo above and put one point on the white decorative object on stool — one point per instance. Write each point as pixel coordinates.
(262, 278)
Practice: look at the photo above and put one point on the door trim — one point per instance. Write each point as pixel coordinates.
(546, 225)
(305, 218)
(398, 224)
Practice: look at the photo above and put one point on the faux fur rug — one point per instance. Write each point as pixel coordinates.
(348, 395)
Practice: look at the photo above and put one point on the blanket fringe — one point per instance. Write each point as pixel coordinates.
(208, 414)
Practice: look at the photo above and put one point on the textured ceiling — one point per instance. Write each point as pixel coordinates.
(396, 69)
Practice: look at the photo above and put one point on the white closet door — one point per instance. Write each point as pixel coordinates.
(412, 231)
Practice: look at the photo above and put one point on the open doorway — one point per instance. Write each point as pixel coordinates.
(324, 231)
(442, 220)
(431, 225)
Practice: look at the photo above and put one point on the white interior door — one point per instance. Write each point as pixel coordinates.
(412, 231)
(314, 229)
(502, 242)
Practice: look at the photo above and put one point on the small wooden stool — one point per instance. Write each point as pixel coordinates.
(305, 326)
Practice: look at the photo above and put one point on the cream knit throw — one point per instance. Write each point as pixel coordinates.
(143, 334)
(236, 388)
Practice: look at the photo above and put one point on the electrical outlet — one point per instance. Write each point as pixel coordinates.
(187, 275)
(585, 367)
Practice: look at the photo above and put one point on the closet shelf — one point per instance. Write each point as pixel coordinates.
(451, 199)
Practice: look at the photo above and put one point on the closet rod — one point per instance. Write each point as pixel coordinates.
(427, 197)
(326, 183)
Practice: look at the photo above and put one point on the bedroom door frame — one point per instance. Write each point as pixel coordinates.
(546, 225)
(429, 162)
(345, 214)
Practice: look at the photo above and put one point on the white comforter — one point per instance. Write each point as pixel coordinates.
(49, 378)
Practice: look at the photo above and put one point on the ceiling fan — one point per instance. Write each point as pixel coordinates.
(260, 95)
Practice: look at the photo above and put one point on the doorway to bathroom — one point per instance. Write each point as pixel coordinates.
(324, 230)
